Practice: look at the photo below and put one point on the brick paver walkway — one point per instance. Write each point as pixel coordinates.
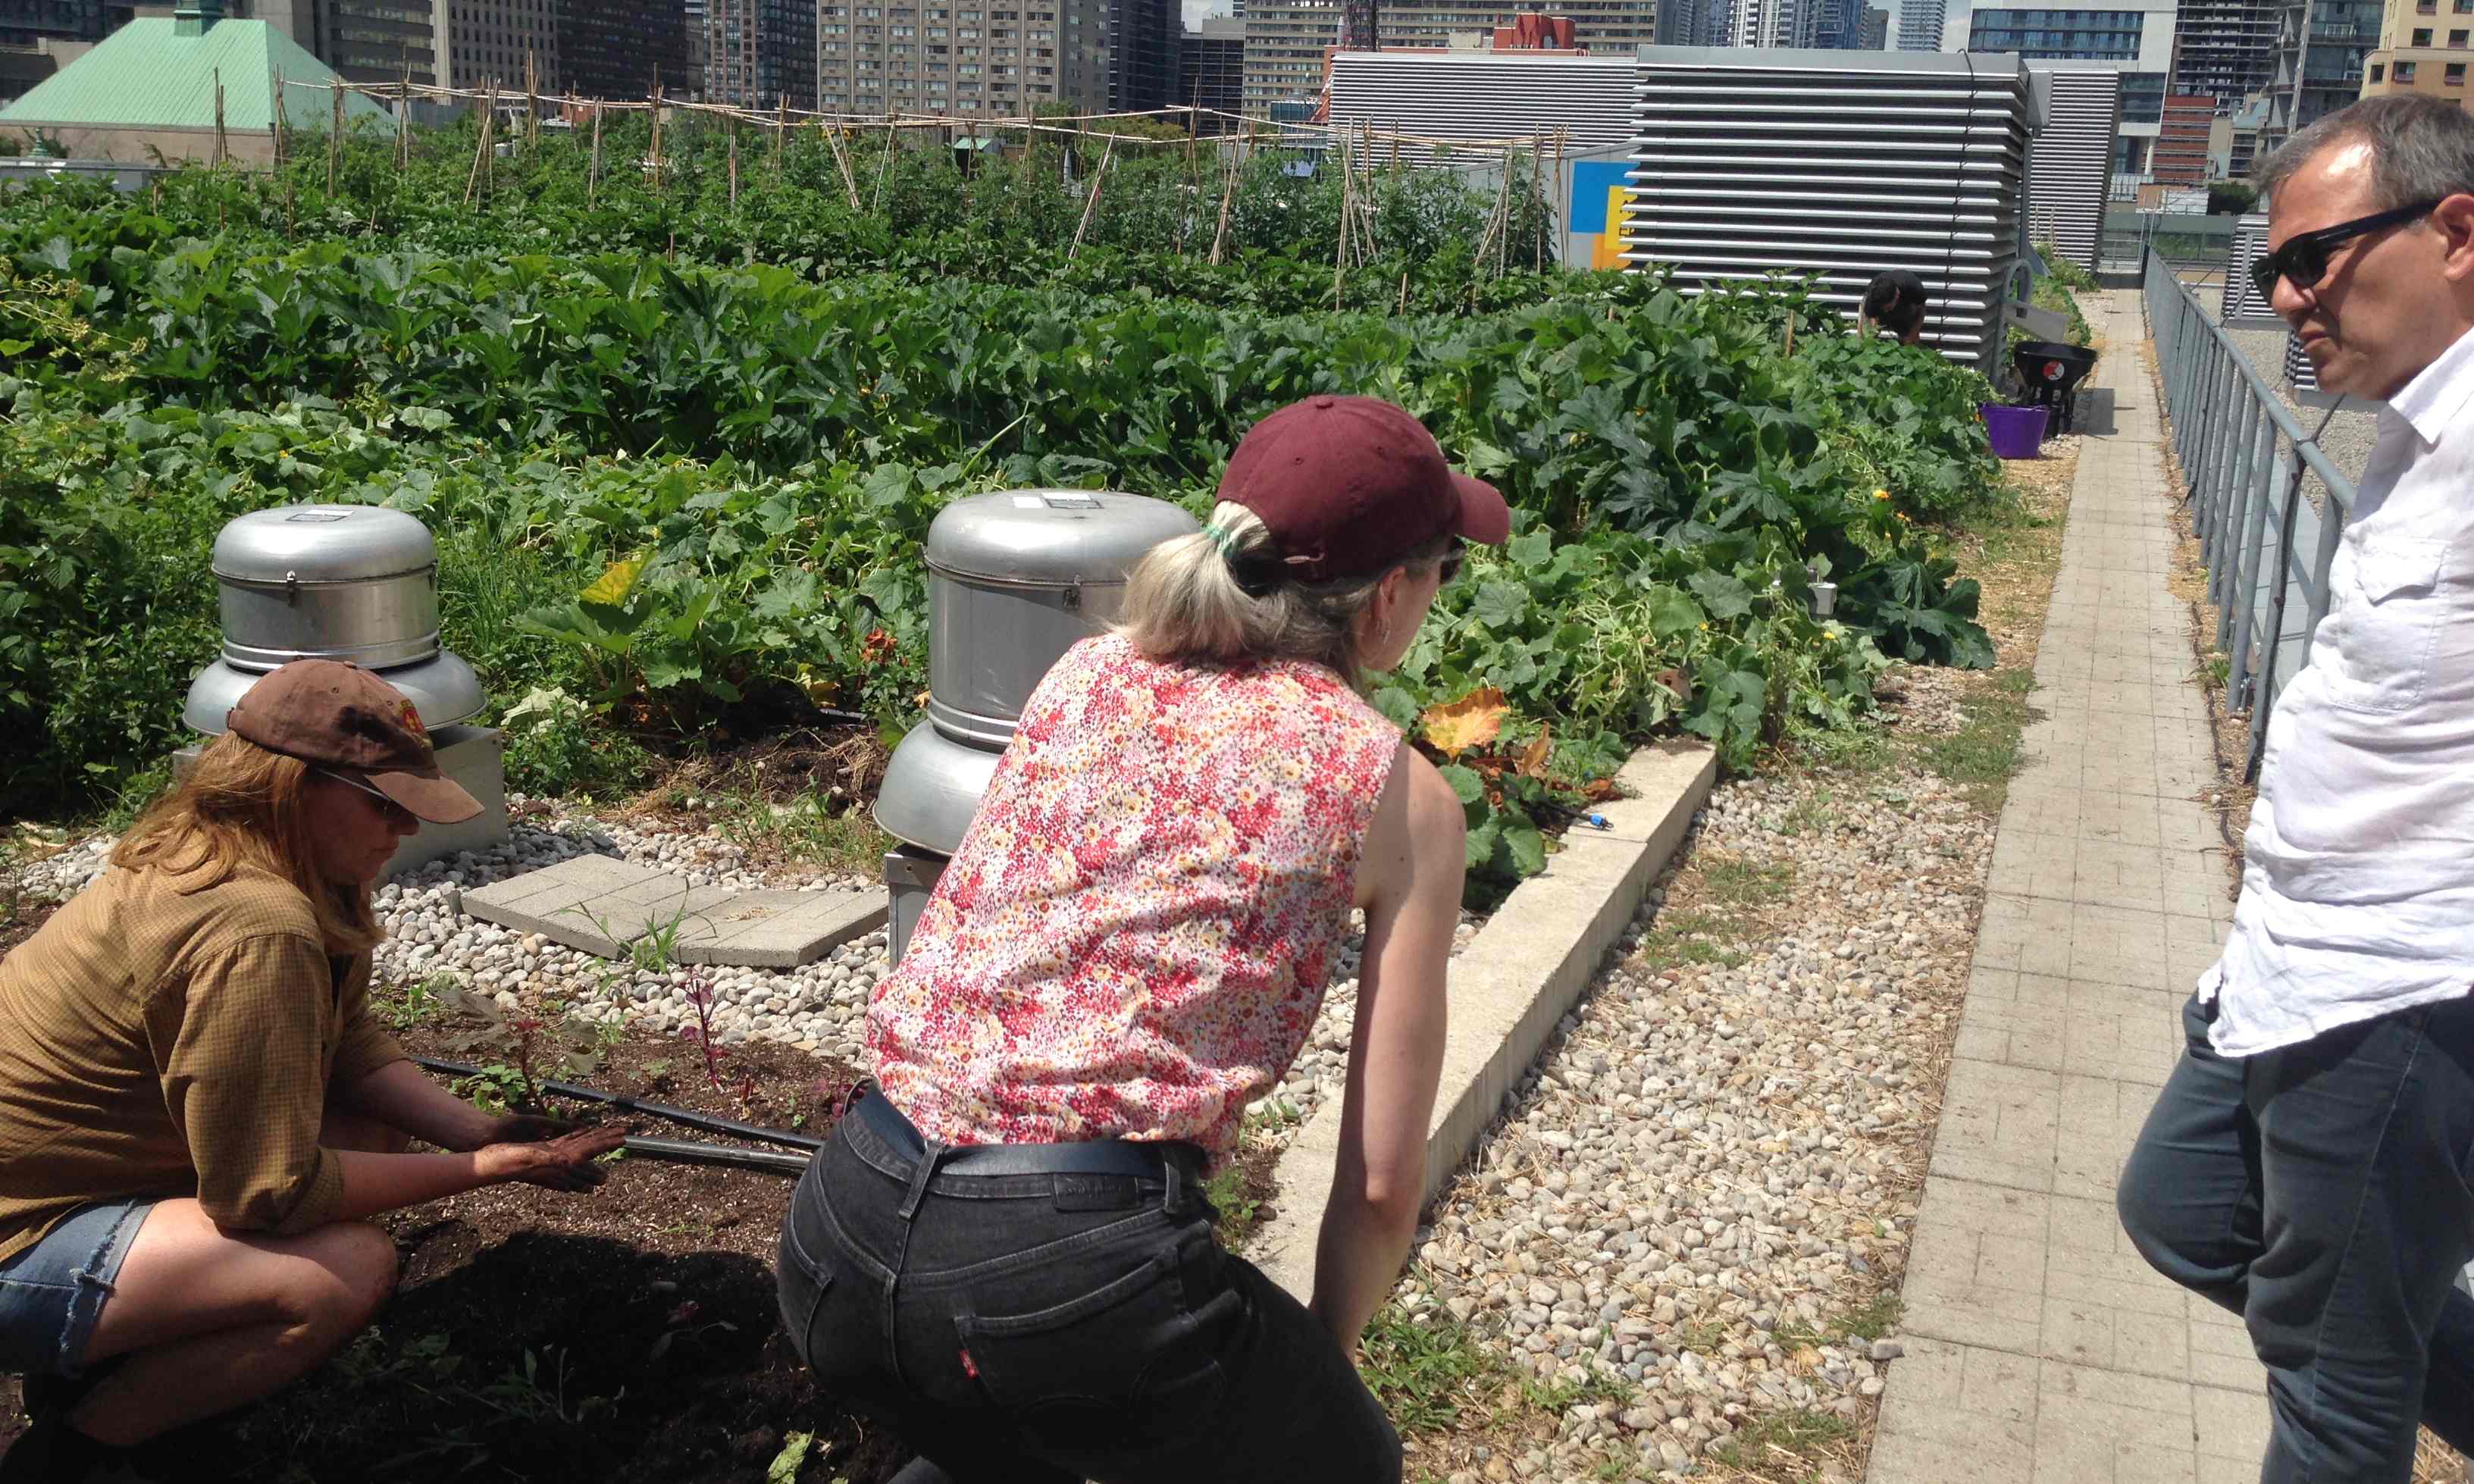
(2038, 1346)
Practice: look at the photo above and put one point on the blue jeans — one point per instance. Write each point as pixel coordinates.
(2324, 1192)
(52, 1293)
(1047, 1328)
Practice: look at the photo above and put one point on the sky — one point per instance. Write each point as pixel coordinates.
(1196, 9)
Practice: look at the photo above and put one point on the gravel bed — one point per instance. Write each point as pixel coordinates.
(818, 1008)
(1713, 1163)
(2350, 431)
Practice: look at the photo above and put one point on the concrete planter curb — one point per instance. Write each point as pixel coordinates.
(1521, 973)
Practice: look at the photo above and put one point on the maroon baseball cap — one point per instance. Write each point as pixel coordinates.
(1348, 485)
(336, 715)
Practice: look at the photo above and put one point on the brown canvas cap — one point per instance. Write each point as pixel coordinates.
(337, 715)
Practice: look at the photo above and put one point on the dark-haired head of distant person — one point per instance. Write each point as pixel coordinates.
(1894, 303)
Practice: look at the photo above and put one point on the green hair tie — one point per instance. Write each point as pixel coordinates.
(1225, 541)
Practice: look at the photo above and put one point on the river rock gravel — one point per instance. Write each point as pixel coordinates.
(1711, 1176)
(818, 1008)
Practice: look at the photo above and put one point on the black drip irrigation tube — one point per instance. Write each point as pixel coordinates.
(678, 1151)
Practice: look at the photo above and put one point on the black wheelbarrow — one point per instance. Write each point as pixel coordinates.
(2051, 373)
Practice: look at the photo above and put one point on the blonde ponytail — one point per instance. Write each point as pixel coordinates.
(1219, 596)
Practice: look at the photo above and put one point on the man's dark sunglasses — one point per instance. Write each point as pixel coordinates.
(2304, 258)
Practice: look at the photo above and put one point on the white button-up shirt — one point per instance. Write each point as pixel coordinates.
(2358, 870)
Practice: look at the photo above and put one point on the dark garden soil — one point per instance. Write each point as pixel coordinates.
(18, 922)
(628, 1336)
(839, 764)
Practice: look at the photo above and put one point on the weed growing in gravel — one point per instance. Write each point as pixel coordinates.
(1676, 938)
(814, 830)
(1984, 753)
(1555, 1398)
(1702, 1335)
(1424, 1369)
(1813, 814)
(1236, 1205)
(2007, 529)
(1746, 883)
(1783, 1446)
(1877, 1317)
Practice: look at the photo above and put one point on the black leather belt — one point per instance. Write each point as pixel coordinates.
(1141, 1160)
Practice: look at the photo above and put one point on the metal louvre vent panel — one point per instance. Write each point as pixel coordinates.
(2240, 300)
(2070, 165)
(1486, 96)
(1841, 166)
(2299, 373)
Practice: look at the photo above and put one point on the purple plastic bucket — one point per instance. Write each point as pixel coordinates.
(2015, 432)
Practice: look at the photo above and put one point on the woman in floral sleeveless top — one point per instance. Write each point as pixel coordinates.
(1004, 1245)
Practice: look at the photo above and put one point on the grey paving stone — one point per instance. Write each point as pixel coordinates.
(593, 903)
(779, 930)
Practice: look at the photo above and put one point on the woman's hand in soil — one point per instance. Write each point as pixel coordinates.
(528, 1128)
(561, 1164)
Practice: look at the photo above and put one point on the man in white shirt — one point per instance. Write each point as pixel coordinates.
(2310, 1164)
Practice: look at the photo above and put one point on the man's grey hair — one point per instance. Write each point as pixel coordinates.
(2422, 148)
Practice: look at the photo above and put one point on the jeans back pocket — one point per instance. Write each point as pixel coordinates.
(1126, 1363)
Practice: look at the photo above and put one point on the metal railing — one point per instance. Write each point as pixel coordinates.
(2266, 544)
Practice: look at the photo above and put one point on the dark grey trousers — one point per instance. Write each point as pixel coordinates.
(2323, 1192)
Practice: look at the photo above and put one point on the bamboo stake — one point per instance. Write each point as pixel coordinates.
(473, 184)
(1537, 199)
(275, 125)
(734, 164)
(1503, 210)
(593, 177)
(403, 123)
(781, 130)
(656, 134)
(283, 154)
(335, 139)
(887, 168)
(1347, 217)
(1091, 207)
(532, 105)
(1227, 198)
(219, 117)
(841, 163)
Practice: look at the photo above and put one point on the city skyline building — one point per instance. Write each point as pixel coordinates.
(2226, 49)
(2133, 38)
(993, 60)
(1211, 70)
(761, 52)
(2422, 51)
(1285, 39)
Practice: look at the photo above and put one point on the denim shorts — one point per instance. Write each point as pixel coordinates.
(52, 1293)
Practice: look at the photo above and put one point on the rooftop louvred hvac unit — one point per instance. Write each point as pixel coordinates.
(1840, 165)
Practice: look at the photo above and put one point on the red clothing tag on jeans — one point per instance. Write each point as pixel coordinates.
(968, 1368)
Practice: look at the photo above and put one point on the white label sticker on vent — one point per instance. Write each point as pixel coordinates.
(1071, 502)
(318, 516)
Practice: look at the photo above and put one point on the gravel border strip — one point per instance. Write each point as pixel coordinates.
(1531, 962)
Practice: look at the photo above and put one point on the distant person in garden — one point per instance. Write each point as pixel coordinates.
(197, 1107)
(1005, 1245)
(1895, 304)
(2310, 1164)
